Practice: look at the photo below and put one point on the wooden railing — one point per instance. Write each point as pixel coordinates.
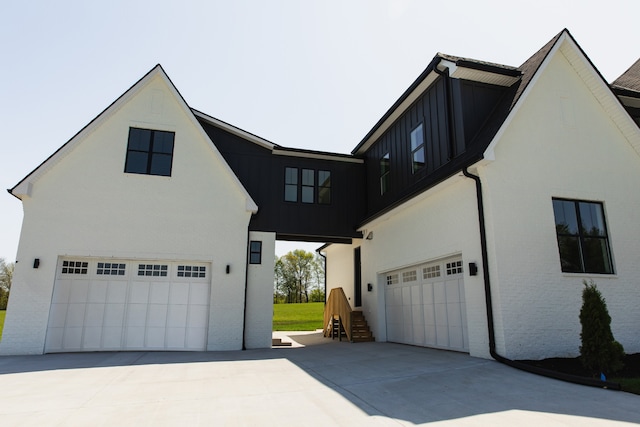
(337, 305)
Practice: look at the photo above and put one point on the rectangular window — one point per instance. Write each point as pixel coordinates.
(154, 270)
(308, 185)
(583, 241)
(192, 271)
(431, 272)
(110, 269)
(454, 267)
(409, 276)
(392, 279)
(74, 267)
(324, 187)
(385, 167)
(291, 184)
(255, 252)
(417, 148)
(149, 152)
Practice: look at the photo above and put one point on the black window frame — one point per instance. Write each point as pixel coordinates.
(291, 184)
(324, 187)
(418, 148)
(385, 173)
(581, 250)
(308, 186)
(304, 185)
(255, 252)
(153, 157)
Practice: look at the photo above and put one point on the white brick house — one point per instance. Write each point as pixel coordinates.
(466, 219)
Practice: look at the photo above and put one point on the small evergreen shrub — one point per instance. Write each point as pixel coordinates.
(599, 351)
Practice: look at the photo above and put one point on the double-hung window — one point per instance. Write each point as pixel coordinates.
(582, 235)
(149, 152)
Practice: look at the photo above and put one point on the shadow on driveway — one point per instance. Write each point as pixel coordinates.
(318, 381)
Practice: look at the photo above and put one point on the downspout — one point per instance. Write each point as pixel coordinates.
(487, 293)
(246, 286)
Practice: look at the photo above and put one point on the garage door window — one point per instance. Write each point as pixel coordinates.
(409, 276)
(74, 267)
(156, 270)
(454, 267)
(431, 272)
(192, 271)
(392, 279)
(110, 269)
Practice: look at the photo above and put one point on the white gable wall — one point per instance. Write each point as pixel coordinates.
(560, 143)
(85, 205)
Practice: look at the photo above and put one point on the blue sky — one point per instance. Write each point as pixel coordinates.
(306, 74)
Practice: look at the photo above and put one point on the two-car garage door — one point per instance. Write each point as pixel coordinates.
(103, 305)
(425, 305)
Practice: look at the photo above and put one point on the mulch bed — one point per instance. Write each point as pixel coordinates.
(573, 366)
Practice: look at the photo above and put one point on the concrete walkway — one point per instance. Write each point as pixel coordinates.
(316, 382)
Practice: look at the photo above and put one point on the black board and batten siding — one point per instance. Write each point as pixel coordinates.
(471, 104)
(262, 174)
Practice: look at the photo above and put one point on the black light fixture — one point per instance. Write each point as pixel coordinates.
(473, 269)
(228, 269)
(369, 287)
(36, 263)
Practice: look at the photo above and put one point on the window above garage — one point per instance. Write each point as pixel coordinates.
(149, 152)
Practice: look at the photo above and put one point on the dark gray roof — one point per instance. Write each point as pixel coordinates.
(630, 79)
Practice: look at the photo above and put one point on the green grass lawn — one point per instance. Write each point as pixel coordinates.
(2, 314)
(298, 317)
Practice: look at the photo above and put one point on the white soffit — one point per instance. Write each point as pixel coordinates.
(319, 156)
(464, 73)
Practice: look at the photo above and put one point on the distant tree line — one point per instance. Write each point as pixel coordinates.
(6, 276)
(299, 277)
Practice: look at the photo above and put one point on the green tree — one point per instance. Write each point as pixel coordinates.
(6, 277)
(599, 351)
(296, 274)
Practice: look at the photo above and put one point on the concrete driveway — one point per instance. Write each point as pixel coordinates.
(316, 382)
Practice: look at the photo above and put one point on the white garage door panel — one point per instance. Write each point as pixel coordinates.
(425, 305)
(127, 310)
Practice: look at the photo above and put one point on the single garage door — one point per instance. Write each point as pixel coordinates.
(106, 305)
(425, 305)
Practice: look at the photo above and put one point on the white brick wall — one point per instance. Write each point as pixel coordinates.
(85, 205)
(560, 144)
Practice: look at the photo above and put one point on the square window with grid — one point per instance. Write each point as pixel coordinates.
(392, 279)
(431, 272)
(110, 269)
(74, 267)
(454, 267)
(409, 276)
(192, 271)
(154, 270)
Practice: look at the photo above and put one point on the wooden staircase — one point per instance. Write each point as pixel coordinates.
(342, 322)
(360, 331)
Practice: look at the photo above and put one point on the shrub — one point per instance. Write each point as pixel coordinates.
(599, 351)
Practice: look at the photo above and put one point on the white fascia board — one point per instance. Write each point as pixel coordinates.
(464, 73)
(319, 156)
(234, 130)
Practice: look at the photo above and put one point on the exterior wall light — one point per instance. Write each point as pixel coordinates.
(473, 269)
(36, 263)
